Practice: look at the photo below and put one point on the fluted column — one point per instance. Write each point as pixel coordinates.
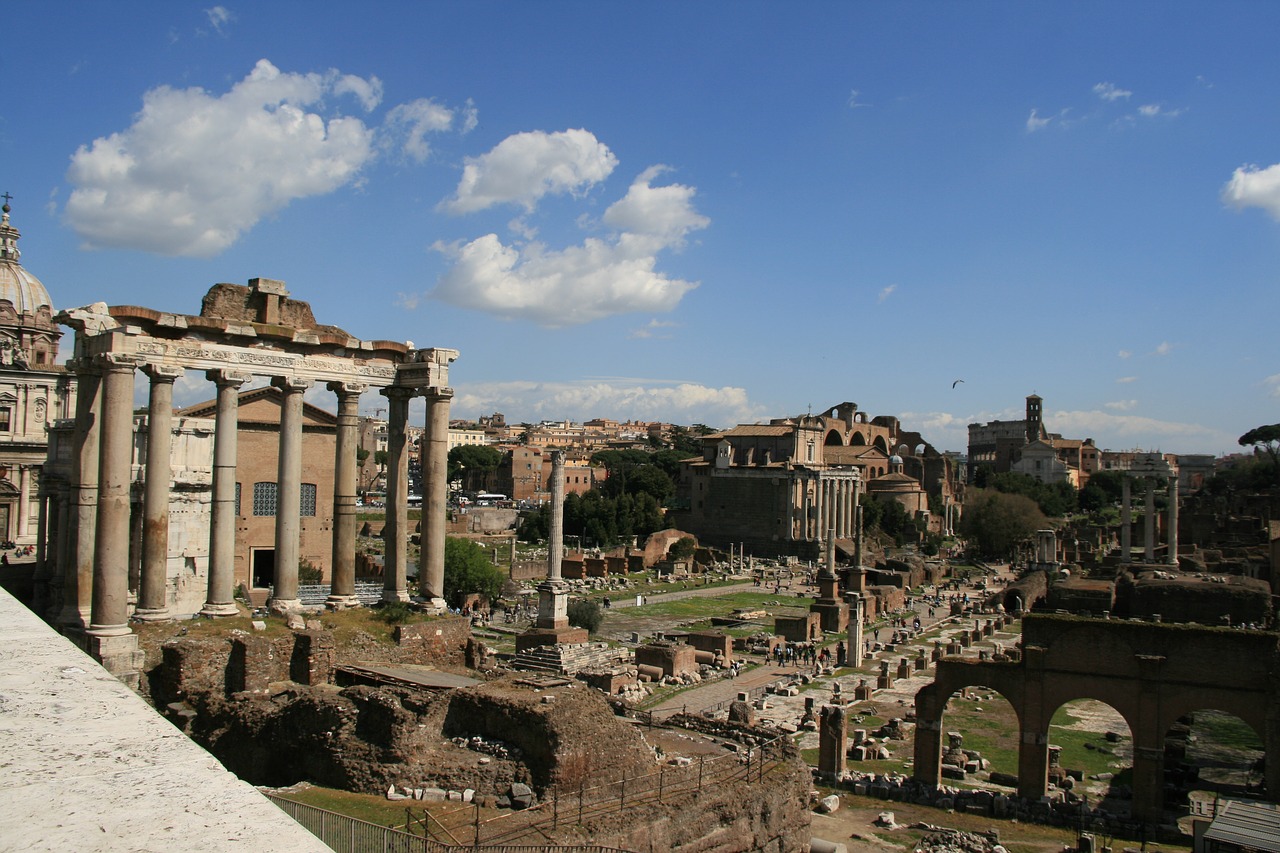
(153, 600)
(24, 501)
(1173, 521)
(76, 564)
(342, 587)
(1126, 519)
(395, 530)
(220, 600)
(436, 483)
(110, 614)
(284, 594)
(555, 538)
(1149, 524)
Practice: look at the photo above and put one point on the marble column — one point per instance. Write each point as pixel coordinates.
(1126, 520)
(342, 586)
(395, 532)
(791, 510)
(24, 501)
(284, 594)
(110, 614)
(77, 559)
(1172, 536)
(1149, 524)
(153, 599)
(555, 538)
(436, 500)
(220, 600)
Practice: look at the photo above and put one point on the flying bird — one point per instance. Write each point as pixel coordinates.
(957, 382)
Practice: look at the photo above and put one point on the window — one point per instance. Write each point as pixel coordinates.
(264, 498)
(308, 500)
(237, 498)
(6, 414)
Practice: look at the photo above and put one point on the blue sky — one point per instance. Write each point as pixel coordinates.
(694, 212)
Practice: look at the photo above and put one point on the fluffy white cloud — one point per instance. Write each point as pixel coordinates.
(522, 168)
(627, 399)
(1037, 122)
(578, 284)
(885, 293)
(196, 170)
(1253, 187)
(1121, 405)
(1110, 92)
(407, 125)
(219, 17)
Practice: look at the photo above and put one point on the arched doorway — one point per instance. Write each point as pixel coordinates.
(980, 740)
(1209, 754)
(1091, 754)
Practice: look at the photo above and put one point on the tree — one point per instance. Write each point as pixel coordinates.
(1265, 439)
(585, 613)
(995, 522)
(473, 457)
(467, 570)
(683, 548)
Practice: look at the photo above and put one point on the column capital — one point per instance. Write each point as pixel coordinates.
(224, 378)
(291, 384)
(348, 389)
(438, 393)
(115, 361)
(82, 365)
(162, 372)
(398, 392)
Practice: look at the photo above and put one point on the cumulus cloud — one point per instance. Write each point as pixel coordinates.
(523, 168)
(407, 126)
(196, 170)
(628, 399)
(1253, 187)
(1114, 430)
(1121, 405)
(1124, 353)
(655, 328)
(1110, 92)
(885, 293)
(600, 278)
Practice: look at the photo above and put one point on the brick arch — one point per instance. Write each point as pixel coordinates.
(833, 439)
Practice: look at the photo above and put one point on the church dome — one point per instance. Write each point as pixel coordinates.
(18, 286)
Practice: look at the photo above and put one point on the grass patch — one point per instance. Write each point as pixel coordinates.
(366, 807)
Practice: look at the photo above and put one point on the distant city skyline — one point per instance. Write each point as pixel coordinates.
(694, 213)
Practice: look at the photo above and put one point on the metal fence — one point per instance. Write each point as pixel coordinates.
(368, 592)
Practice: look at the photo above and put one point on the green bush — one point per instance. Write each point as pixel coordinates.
(585, 613)
(395, 612)
(309, 572)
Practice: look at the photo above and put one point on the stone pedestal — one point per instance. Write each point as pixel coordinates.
(552, 625)
(119, 655)
(833, 741)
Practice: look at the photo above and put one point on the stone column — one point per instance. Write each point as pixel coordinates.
(395, 531)
(791, 510)
(436, 500)
(77, 559)
(1126, 520)
(220, 600)
(1149, 524)
(153, 599)
(1173, 522)
(555, 538)
(110, 614)
(857, 536)
(342, 585)
(857, 613)
(284, 594)
(24, 501)
(1033, 765)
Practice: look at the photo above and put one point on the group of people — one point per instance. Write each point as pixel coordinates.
(798, 654)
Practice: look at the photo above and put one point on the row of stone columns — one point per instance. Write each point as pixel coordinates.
(831, 504)
(92, 540)
(1149, 529)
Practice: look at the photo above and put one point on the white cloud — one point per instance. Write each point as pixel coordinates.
(1112, 430)
(1037, 122)
(854, 103)
(1125, 380)
(1121, 405)
(522, 168)
(1163, 349)
(885, 293)
(219, 17)
(599, 278)
(655, 328)
(1273, 382)
(1110, 92)
(1156, 110)
(1124, 353)
(1253, 187)
(369, 92)
(407, 126)
(195, 170)
(627, 399)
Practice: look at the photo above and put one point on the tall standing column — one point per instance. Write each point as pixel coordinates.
(284, 594)
(77, 558)
(1126, 520)
(436, 499)
(342, 586)
(555, 537)
(1173, 521)
(153, 600)
(395, 532)
(791, 508)
(110, 614)
(24, 501)
(220, 600)
(1149, 524)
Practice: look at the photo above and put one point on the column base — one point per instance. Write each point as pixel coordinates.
(284, 605)
(73, 619)
(214, 610)
(150, 614)
(119, 655)
(392, 595)
(341, 602)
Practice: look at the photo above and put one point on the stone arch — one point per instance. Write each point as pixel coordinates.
(833, 439)
(857, 439)
(1216, 751)
(931, 702)
(880, 444)
(1075, 755)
